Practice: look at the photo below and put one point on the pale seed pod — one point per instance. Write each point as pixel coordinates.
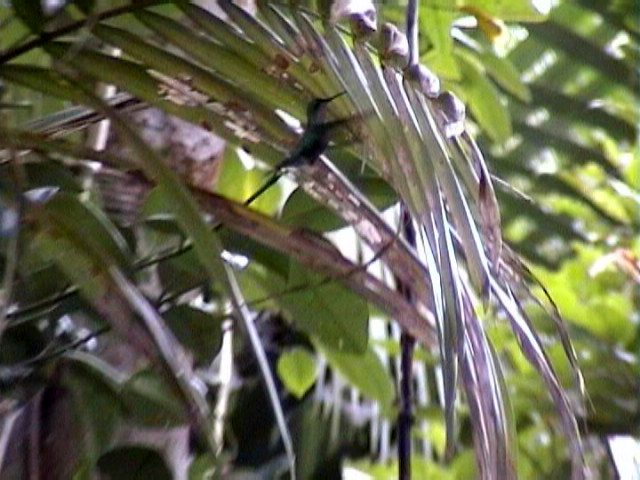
(393, 46)
(450, 112)
(427, 81)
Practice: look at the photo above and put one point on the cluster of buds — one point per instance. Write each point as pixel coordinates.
(393, 49)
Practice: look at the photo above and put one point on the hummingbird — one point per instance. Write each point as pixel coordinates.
(313, 143)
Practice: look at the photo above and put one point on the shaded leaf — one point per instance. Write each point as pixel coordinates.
(149, 400)
(95, 388)
(198, 331)
(328, 312)
(302, 210)
(134, 463)
(30, 13)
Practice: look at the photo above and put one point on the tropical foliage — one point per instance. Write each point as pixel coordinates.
(164, 329)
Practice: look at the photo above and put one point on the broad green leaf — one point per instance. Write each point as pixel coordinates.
(30, 13)
(198, 331)
(297, 370)
(301, 210)
(509, 10)
(505, 74)
(95, 387)
(85, 224)
(52, 174)
(262, 286)
(134, 463)
(203, 467)
(328, 312)
(238, 183)
(484, 101)
(181, 274)
(365, 372)
(82, 270)
(436, 23)
(147, 398)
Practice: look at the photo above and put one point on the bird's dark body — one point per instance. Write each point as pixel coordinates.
(314, 142)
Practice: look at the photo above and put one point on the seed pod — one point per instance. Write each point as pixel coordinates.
(450, 113)
(348, 9)
(425, 79)
(393, 46)
(9, 219)
(363, 24)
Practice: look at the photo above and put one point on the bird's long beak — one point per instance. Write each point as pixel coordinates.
(329, 99)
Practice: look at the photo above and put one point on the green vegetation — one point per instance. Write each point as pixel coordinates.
(480, 194)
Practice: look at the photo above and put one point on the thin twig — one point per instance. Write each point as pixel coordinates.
(407, 345)
(225, 376)
(11, 257)
(45, 356)
(412, 32)
(407, 342)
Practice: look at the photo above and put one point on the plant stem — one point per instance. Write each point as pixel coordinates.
(407, 345)
(412, 32)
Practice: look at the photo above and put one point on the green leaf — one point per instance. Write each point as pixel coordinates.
(134, 463)
(196, 330)
(181, 274)
(304, 211)
(436, 23)
(484, 100)
(301, 210)
(40, 79)
(328, 312)
(238, 183)
(150, 401)
(436, 429)
(87, 6)
(85, 224)
(51, 174)
(204, 467)
(509, 10)
(30, 12)
(86, 272)
(94, 385)
(226, 62)
(366, 373)
(297, 370)
(200, 79)
(505, 74)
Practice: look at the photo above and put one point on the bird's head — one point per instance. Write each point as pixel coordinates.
(317, 109)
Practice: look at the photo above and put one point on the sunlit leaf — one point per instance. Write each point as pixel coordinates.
(297, 370)
(365, 372)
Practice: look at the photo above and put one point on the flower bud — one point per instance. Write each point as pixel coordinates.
(363, 25)
(427, 81)
(393, 47)
(354, 10)
(450, 113)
